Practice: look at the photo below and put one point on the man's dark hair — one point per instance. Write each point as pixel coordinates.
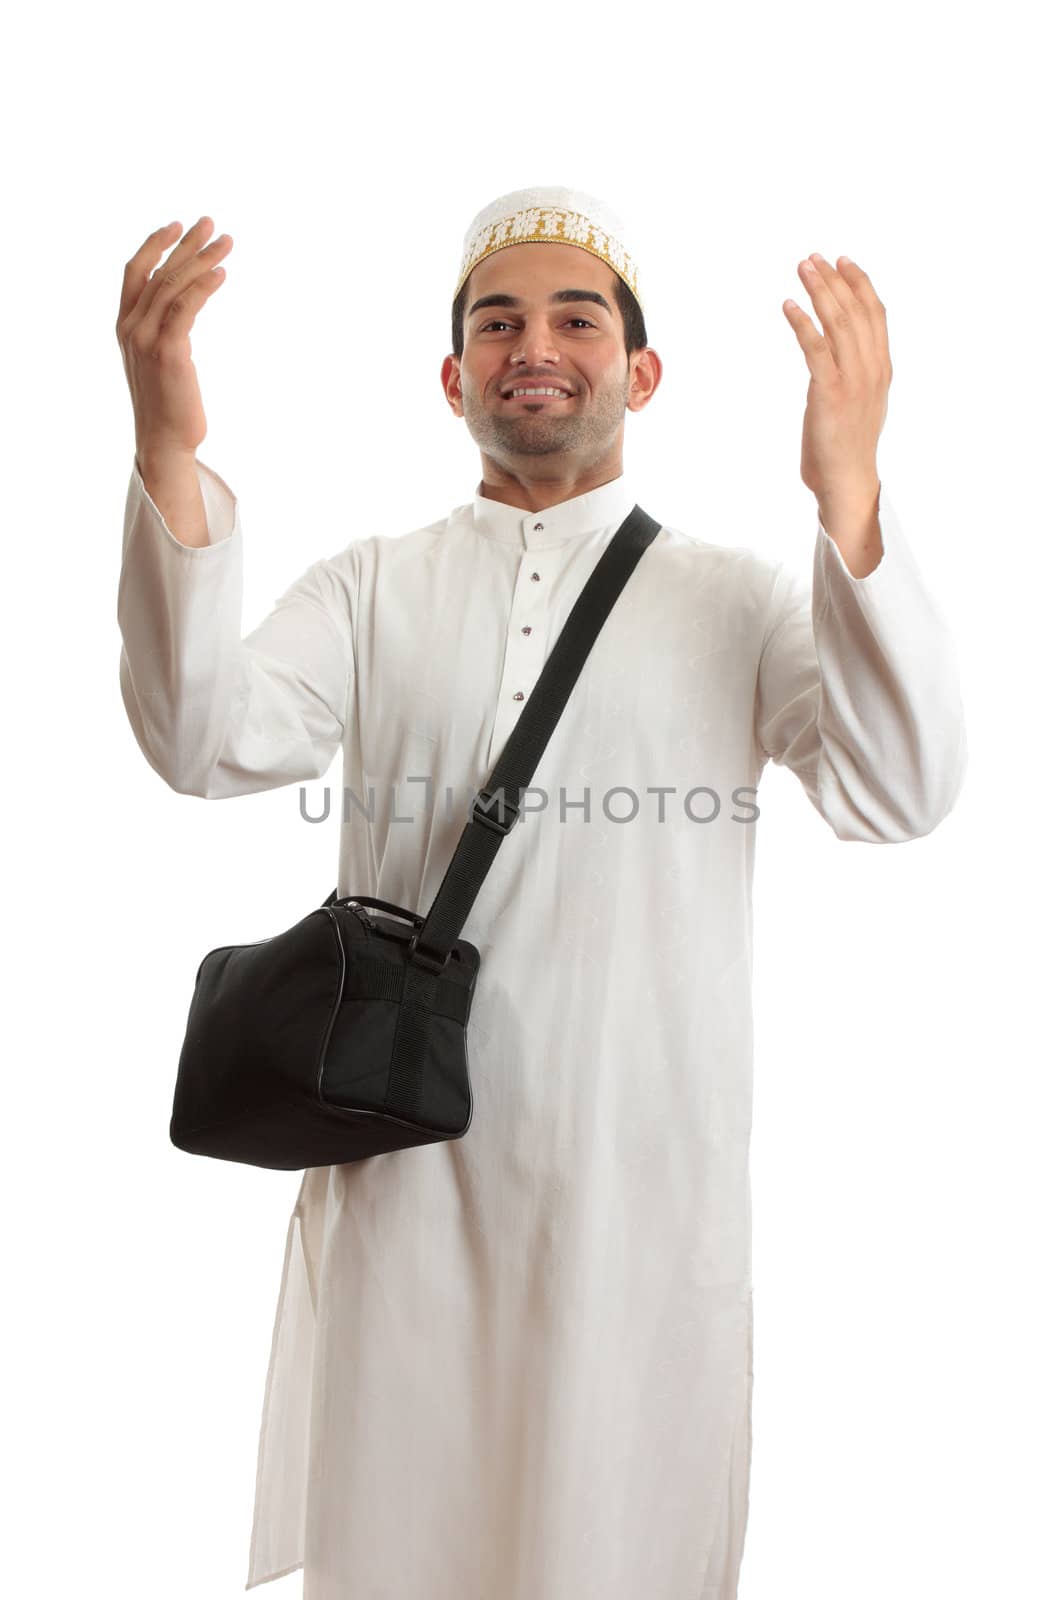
(630, 311)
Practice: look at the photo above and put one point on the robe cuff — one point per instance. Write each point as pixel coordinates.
(833, 578)
(220, 508)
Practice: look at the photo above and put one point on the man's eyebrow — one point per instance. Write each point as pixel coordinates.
(560, 297)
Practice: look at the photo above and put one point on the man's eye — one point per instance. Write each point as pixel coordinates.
(499, 323)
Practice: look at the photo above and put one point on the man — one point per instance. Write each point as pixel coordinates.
(518, 1366)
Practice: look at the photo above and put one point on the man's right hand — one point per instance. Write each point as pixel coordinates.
(157, 311)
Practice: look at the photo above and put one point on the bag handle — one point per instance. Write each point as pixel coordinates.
(382, 905)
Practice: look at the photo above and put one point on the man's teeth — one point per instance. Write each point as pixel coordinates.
(559, 394)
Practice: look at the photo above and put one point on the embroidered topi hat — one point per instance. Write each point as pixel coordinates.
(550, 216)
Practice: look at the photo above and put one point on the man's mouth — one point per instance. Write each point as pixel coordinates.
(546, 396)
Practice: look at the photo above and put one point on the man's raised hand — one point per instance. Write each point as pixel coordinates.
(158, 306)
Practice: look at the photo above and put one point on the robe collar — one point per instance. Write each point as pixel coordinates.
(604, 507)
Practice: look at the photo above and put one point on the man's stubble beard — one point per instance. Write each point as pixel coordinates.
(587, 427)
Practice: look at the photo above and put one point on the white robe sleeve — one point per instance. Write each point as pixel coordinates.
(858, 692)
(215, 714)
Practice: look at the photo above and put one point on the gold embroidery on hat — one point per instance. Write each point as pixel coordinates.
(549, 225)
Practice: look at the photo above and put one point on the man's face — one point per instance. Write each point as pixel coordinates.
(577, 345)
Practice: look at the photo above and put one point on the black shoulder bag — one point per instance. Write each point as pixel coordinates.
(346, 1037)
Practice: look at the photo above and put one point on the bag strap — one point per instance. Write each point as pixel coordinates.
(518, 761)
(484, 833)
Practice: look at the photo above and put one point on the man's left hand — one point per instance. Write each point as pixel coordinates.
(850, 374)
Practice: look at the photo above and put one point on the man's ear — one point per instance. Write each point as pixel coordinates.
(451, 380)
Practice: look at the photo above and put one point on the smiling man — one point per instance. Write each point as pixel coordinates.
(564, 330)
(518, 1365)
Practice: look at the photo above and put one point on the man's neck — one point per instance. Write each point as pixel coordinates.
(541, 494)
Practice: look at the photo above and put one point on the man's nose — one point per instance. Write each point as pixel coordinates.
(535, 348)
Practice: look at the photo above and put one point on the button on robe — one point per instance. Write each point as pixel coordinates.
(518, 1365)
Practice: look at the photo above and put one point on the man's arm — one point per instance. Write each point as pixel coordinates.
(216, 714)
(858, 692)
(852, 523)
(172, 484)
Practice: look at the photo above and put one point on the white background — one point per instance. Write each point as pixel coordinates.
(900, 1140)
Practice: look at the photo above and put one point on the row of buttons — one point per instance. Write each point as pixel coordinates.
(535, 578)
